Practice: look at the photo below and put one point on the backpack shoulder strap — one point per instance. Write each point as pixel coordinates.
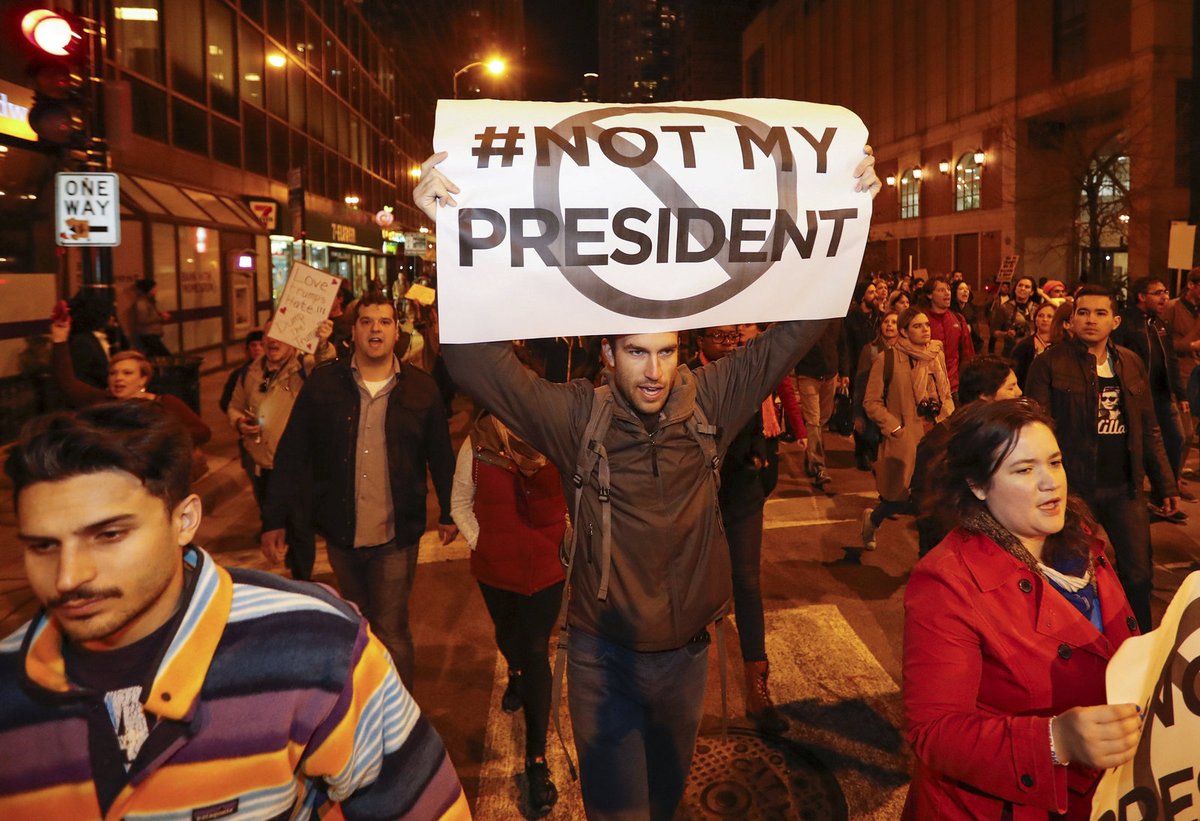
(705, 434)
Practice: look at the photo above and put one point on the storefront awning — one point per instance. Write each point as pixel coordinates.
(155, 199)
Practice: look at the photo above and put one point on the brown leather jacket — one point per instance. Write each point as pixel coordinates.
(670, 574)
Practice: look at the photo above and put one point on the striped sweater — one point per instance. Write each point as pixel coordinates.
(272, 700)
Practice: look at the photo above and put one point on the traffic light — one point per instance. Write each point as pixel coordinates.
(59, 47)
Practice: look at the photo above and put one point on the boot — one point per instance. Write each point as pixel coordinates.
(542, 792)
(759, 707)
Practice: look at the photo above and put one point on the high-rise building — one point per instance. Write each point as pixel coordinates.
(247, 135)
(637, 57)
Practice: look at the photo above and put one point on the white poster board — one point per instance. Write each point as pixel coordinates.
(1161, 672)
(304, 304)
(585, 218)
(1181, 245)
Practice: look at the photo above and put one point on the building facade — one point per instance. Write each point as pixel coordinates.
(1052, 131)
(248, 134)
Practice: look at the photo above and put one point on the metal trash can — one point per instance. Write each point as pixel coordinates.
(178, 376)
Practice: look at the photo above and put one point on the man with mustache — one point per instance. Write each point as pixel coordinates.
(154, 682)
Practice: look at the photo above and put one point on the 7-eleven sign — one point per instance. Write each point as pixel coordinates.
(267, 212)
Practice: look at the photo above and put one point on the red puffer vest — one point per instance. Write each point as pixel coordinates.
(521, 523)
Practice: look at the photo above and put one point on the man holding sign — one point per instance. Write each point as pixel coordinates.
(651, 564)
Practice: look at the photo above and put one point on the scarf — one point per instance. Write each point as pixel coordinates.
(982, 522)
(489, 433)
(926, 362)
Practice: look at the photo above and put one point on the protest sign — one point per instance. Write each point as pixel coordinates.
(304, 304)
(1159, 671)
(585, 218)
(422, 294)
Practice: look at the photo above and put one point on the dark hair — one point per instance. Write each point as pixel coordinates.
(982, 376)
(374, 297)
(135, 436)
(910, 313)
(1194, 274)
(254, 336)
(955, 288)
(145, 285)
(939, 280)
(1058, 328)
(1141, 287)
(982, 435)
(860, 290)
(1091, 289)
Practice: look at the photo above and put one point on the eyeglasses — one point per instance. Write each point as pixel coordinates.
(724, 336)
(1159, 292)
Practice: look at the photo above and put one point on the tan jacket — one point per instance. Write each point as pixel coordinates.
(1183, 326)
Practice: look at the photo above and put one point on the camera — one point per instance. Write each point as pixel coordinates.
(929, 408)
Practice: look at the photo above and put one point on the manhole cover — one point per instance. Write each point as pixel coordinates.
(749, 776)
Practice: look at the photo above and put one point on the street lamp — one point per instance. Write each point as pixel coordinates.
(495, 66)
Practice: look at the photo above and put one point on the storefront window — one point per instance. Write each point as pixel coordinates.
(281, 263)
(200, 283)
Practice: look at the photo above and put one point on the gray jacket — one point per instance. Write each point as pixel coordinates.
(670, 573)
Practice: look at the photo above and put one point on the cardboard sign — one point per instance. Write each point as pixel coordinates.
(1007, 268)
(1181, 245)
(422, 294)
(1161, 672)
(304, 304)
(595, 218)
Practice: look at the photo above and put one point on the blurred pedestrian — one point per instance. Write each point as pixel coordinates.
(820, 373)
(950, 328)
(908, 392)
(362, 433)
(986, 378)
(1012, 321)
(1036, 343)
(259, 411)
(254, 349)
(865, 430)
(128, 378)
(963, 302)
(1098, 395)
(1142, 330)
(1182, 316)
(508, 504)
(148, 319)
(1009, 625)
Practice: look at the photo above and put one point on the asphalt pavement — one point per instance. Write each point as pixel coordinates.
(834, 632)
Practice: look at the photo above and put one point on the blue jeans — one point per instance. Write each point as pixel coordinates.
(635, 717)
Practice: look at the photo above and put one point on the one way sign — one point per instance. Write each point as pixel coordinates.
(87, 209)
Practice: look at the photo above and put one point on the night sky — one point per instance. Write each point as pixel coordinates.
(560, 45)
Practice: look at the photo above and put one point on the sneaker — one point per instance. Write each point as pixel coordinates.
(868, 530)
(822, 479)
(511, 701)
(542, 792)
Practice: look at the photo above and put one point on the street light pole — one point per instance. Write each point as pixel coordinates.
(495, 66)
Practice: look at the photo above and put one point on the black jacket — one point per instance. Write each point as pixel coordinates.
(1063, 381)
(1148, 337)
(828, 357)
(320, 442)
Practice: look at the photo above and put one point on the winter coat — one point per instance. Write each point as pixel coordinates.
(991, 652)
(321, 439)
(669, 564)
(897, 453)
(1148, 337)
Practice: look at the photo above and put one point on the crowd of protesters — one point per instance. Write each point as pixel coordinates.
(608, 470)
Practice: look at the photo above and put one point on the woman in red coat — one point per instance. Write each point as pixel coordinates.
(1009, 624)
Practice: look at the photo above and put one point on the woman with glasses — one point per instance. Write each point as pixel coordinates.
(1009, 624)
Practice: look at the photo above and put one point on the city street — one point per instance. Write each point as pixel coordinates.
(834, 634)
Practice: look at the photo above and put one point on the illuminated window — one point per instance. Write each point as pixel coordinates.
(967, 182)
(910, 195)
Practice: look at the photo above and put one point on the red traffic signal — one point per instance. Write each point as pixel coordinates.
(53, 33)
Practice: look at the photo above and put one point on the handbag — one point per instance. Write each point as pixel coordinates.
(842, 420)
